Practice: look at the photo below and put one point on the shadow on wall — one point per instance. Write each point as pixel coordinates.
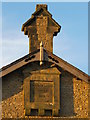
(66, 95)
(13, 84)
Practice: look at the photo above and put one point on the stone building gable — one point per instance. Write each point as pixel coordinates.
(49, 57)
(73, 92)
(41, 83)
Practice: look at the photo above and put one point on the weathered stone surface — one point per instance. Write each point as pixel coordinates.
(41, 89)
(12, 96)
(41, 27)
(80, 89)
(47, 118)
(73, 92)
(41, 34)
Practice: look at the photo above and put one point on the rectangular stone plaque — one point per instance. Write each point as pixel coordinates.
(41, 91)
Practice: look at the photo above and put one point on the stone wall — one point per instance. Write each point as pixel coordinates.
(12, 96)
(73, 94)
(80, 89)
(48, 118)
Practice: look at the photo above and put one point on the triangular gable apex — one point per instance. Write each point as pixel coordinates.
(47, 12)
(50, 16)
(28, 21)
(52, 58)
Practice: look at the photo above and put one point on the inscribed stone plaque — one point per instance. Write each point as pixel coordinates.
(41, 91)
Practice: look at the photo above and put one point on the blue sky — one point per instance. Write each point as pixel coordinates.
(71, 44)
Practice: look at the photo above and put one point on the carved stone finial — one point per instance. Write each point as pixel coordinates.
(41, 53)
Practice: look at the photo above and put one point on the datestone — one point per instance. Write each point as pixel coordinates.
(42, 92)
